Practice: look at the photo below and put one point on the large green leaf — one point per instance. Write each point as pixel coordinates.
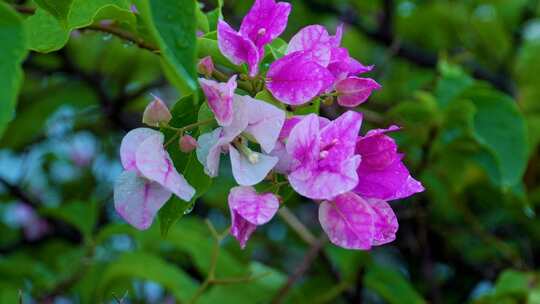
(173, 26)
(391, 285)
(150, 267)
(500, 129)
(58, 8)
(46, 33)
(13, 41)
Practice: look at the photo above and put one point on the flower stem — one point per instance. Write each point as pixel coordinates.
(179, 131)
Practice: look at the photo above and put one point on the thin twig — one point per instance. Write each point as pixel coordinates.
(308, 259)
(296, 225)
(123, 35)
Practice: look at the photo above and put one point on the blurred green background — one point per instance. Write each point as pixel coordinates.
(461, 77)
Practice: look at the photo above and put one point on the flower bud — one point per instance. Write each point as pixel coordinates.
(156, 113)
(206, 66)
(187, 143)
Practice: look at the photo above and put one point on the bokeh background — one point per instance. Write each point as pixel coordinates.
(461, 77)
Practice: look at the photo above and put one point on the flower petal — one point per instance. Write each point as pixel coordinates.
(303, 142)
(294, 79)
(315, 42)
(236, 48)
(382, 184)
(377, 150)
(342, 65)
(209, 151)
(241, 229)
(338, 139)
(353, 91)
(336, 39)
(285, 162)
(220, 98)
(410, 187)
(317, 183)
(138, 200)
(246, 173)
(154, 163)
(130, 143)
(384, 221)
(348, 221)
(265, 122)
(255, 208)
(265, 21)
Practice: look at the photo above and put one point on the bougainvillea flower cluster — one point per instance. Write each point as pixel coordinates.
(351, 177)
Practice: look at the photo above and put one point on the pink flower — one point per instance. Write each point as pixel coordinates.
(156, 113)
(206, 66)
(382, 173)
(20, 215)
(265, 21)
(249, 210)
(220, 98)
(149, 178)
(353, 91)
(260, 121)
(296, 78)
(324, 160)
(352, 222)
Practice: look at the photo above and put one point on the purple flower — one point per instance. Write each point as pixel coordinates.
(352, 222)
(353, 91)
(249, 210)
(382, 173)
(324, 160)
(265, 21)
(253, 119)
(220, 98)
(296, 78)
(149, 178)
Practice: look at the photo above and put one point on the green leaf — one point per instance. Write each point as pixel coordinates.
(214, 15)
(173, 24)
(500, 129)
(82, 215)
(512, 282)
(391, 285)
(46, 33)
(13, 52)
(58, 8)
(308, 108)
(149, 267)
(268, 97)
(452, 83)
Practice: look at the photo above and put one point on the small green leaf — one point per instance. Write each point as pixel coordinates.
(215, 15)
(13, 39)
(173, 24)
(265, 95)
(308, 108)
(391, 285)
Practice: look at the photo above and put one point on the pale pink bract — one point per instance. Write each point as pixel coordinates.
(249, 210)
(220, 98)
